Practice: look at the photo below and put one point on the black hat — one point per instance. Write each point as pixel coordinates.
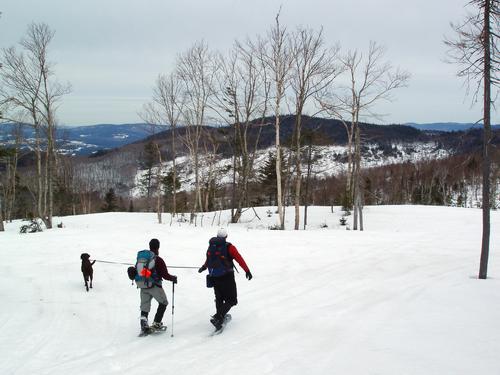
(154, 244)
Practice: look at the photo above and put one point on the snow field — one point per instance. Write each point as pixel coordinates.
(401, 297)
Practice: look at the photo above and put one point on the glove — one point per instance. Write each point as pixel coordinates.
(202, 268)
(174, 279)
(249, 275)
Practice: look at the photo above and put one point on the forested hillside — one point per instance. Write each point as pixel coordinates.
(401, 165)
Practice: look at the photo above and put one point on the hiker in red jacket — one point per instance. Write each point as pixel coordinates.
(219, 261)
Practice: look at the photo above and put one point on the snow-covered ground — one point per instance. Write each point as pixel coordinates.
(401, 297)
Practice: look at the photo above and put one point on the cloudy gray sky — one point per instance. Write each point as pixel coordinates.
(112, 50)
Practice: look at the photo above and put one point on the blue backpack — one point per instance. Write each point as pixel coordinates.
(219, 261)
(146, 276)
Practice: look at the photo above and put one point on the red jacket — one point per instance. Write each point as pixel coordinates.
(236, 256)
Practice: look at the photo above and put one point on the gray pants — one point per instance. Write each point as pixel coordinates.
(148, 294)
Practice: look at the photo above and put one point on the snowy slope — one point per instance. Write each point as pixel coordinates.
(399, 298)
(332, 160)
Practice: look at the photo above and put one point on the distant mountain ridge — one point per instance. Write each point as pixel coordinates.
(447, 126)
(86, 140)
(94, 139)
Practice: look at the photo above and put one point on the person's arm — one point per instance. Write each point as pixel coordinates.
(233, 252)
(162, 270)
(204, 267)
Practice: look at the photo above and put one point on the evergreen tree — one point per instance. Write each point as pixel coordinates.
(167, 183)
(110, 201)
(63, 199)
(267, 177)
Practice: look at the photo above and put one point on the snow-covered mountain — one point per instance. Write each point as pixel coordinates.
(401, 297)
(92, 139)
(330, 161)
(84, 140)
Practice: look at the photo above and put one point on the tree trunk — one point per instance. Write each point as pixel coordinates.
(298, 172)
(13, 188)
(39, 176)
(174, 177)
(158, 185)
(485, 242)
(279, 193)
(2, 229)
(350, 169)
(234, 216)
(198, 202)
(308, 176)
(50, 177)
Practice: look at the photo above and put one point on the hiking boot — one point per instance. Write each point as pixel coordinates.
(144, 324)
(216, 321)
(157, 325)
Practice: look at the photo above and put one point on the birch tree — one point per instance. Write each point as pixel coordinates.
(314, 68)
(196, 71)
(241, 100)
(166, 109)
(33, 93)
(276, 53)
(370, 80)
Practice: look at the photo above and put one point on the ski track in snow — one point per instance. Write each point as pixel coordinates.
(400, 297)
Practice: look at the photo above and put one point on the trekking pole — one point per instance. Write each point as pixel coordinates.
(173, 290)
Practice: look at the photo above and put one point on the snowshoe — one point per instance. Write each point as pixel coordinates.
(220, 325)
(158, 327)
(145, 332)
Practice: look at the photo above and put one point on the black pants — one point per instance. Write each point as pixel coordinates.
(226, 295)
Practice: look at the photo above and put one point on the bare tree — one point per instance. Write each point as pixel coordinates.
(166, 108)
(21, 86)
(241, 98)
(169, 97)
(476, 51)
(276, 53)
(36, 43)
(371, 80)
(31, 90)
(196, 71)
(314, 68)
(332, 107)
(211, 142)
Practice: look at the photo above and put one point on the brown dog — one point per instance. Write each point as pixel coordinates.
(87, 270)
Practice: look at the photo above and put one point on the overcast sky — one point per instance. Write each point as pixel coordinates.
(111, 51)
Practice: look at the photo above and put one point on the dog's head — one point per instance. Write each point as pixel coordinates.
(85, 256)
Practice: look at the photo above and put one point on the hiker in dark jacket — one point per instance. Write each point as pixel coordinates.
(156, 291)
(219, 261)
